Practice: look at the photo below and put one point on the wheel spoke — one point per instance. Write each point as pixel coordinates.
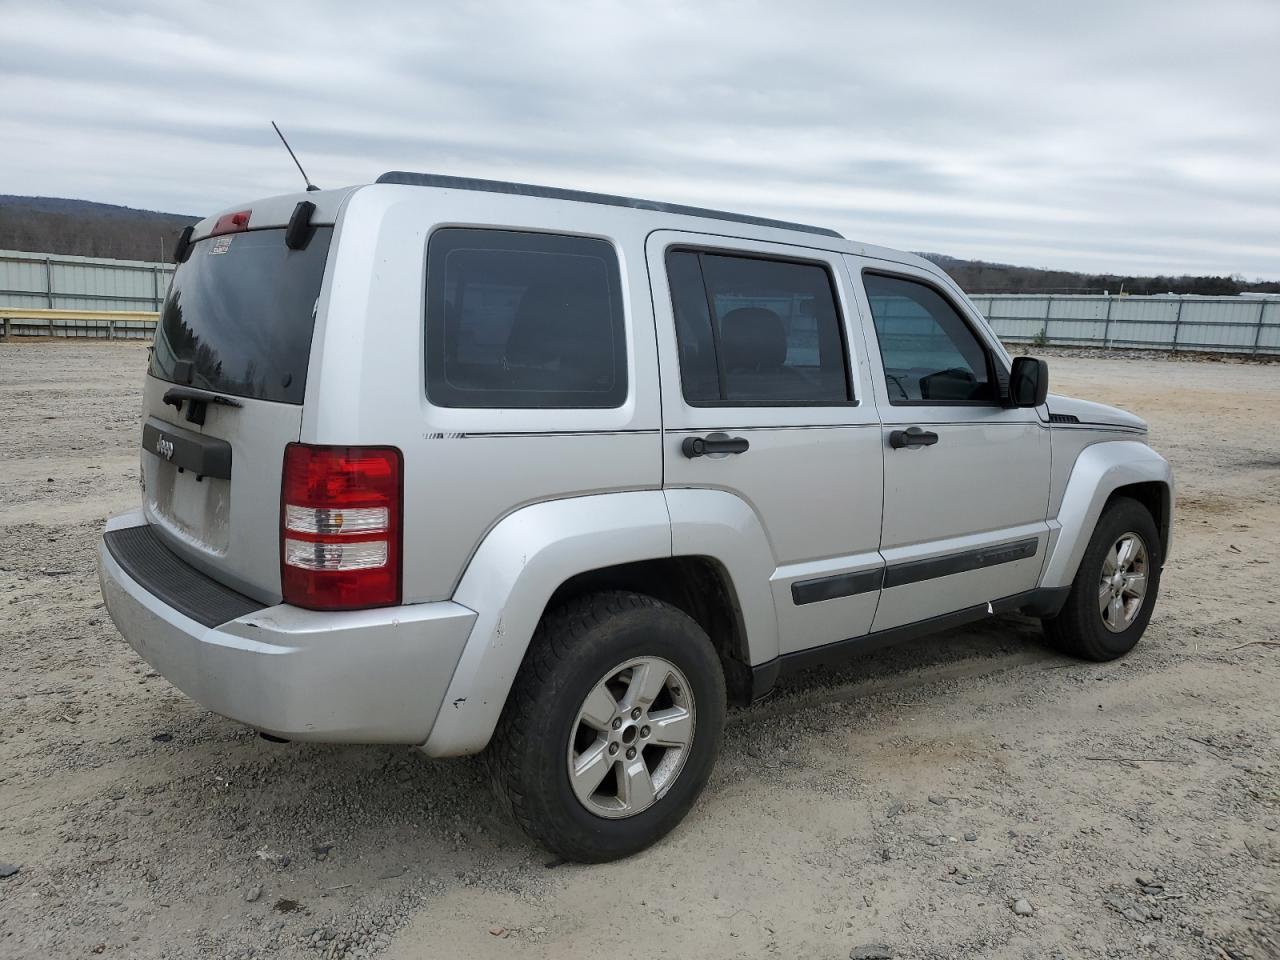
(647, 680)
(635, 786)
(1124, 552)
(1135, 584)
(1117, 611)
(1109, 561)
(671, 728)
(1104, 598)
(600, 708)
(589, 768)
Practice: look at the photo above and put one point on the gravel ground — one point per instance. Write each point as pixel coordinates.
(975, 795)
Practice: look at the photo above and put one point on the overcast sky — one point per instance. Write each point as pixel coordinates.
(1128, 137)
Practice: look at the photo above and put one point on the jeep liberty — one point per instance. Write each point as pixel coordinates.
(482, 466)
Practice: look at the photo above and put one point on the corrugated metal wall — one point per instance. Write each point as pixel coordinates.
(1214, 324)
(81, 283)
(1217, 324)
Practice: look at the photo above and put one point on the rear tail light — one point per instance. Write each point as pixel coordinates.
(340, 526)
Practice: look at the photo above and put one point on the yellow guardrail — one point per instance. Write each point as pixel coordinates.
(38, 321)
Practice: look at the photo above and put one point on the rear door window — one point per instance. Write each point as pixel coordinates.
(523, 320)
(240, 314)
(756, 331)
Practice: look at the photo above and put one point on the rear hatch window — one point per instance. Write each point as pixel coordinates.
(239, 316)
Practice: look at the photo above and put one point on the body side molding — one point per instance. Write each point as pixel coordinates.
(915, 571)
(910, 571)
(836, 586)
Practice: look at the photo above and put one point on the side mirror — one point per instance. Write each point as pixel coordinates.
(1028, 382)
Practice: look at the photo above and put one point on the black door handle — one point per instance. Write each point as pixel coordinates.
(912, 437)
(713, 443)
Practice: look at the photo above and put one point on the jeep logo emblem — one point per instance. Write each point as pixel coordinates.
(164, 447)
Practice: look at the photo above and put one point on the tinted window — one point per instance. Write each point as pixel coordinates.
(930, 355)
(523, 320)
(756, 331)
(239, 315)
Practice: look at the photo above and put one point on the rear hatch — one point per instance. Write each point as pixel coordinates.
(224, 397)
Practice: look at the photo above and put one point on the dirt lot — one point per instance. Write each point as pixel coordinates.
(910, 800)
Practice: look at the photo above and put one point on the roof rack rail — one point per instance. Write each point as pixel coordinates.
(584, 196)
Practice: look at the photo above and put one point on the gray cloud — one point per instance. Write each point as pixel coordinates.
(1111, 136)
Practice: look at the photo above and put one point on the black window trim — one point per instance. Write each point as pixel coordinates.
(994, 368)
(699, 250)
(625, 327)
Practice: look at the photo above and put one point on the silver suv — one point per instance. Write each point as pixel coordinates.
(470, 465)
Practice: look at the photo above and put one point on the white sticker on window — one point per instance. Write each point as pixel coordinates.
(220, 245)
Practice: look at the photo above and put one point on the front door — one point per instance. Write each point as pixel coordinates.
(966, 480)
(766, 397)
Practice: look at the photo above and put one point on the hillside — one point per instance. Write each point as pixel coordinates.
(978, 276)
(85, 229)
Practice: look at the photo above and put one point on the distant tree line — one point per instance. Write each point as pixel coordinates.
(83, 229)
(977, 276)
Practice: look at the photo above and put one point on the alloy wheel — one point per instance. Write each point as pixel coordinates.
(631, 737)
(1123, 584)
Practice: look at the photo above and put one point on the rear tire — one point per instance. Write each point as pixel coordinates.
(617, 685)
(1115, 589)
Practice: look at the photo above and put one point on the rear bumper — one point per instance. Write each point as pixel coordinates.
(360, 676)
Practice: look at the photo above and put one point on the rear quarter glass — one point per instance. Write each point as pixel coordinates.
(240, 313)
(523, 320)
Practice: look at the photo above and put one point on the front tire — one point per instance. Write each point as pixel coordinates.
(1115, 589)
(612, 727)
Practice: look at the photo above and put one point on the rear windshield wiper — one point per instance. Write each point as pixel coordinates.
(175, 396)
(199, 399)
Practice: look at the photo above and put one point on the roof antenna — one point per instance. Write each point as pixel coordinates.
(310, 186)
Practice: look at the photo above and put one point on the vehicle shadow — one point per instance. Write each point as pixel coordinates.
(982, 647)
(433, 804)
(341, 823)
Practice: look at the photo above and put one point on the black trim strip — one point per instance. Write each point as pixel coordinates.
(449, 435)
(834, 587)
(913, 571)
(1095, 425)
(158, 570)
(985, 424)
(1041, 602)
(204, 456)
(772, 429)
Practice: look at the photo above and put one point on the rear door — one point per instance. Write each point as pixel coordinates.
(758, 356)
(966, 480)
(223, 398)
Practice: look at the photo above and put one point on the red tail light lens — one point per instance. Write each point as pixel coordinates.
(340, 526)
(231, 223)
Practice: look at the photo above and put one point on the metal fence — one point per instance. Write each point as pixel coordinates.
(95, 324)
(89, 297)
(1245, 325)
(38, 280)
